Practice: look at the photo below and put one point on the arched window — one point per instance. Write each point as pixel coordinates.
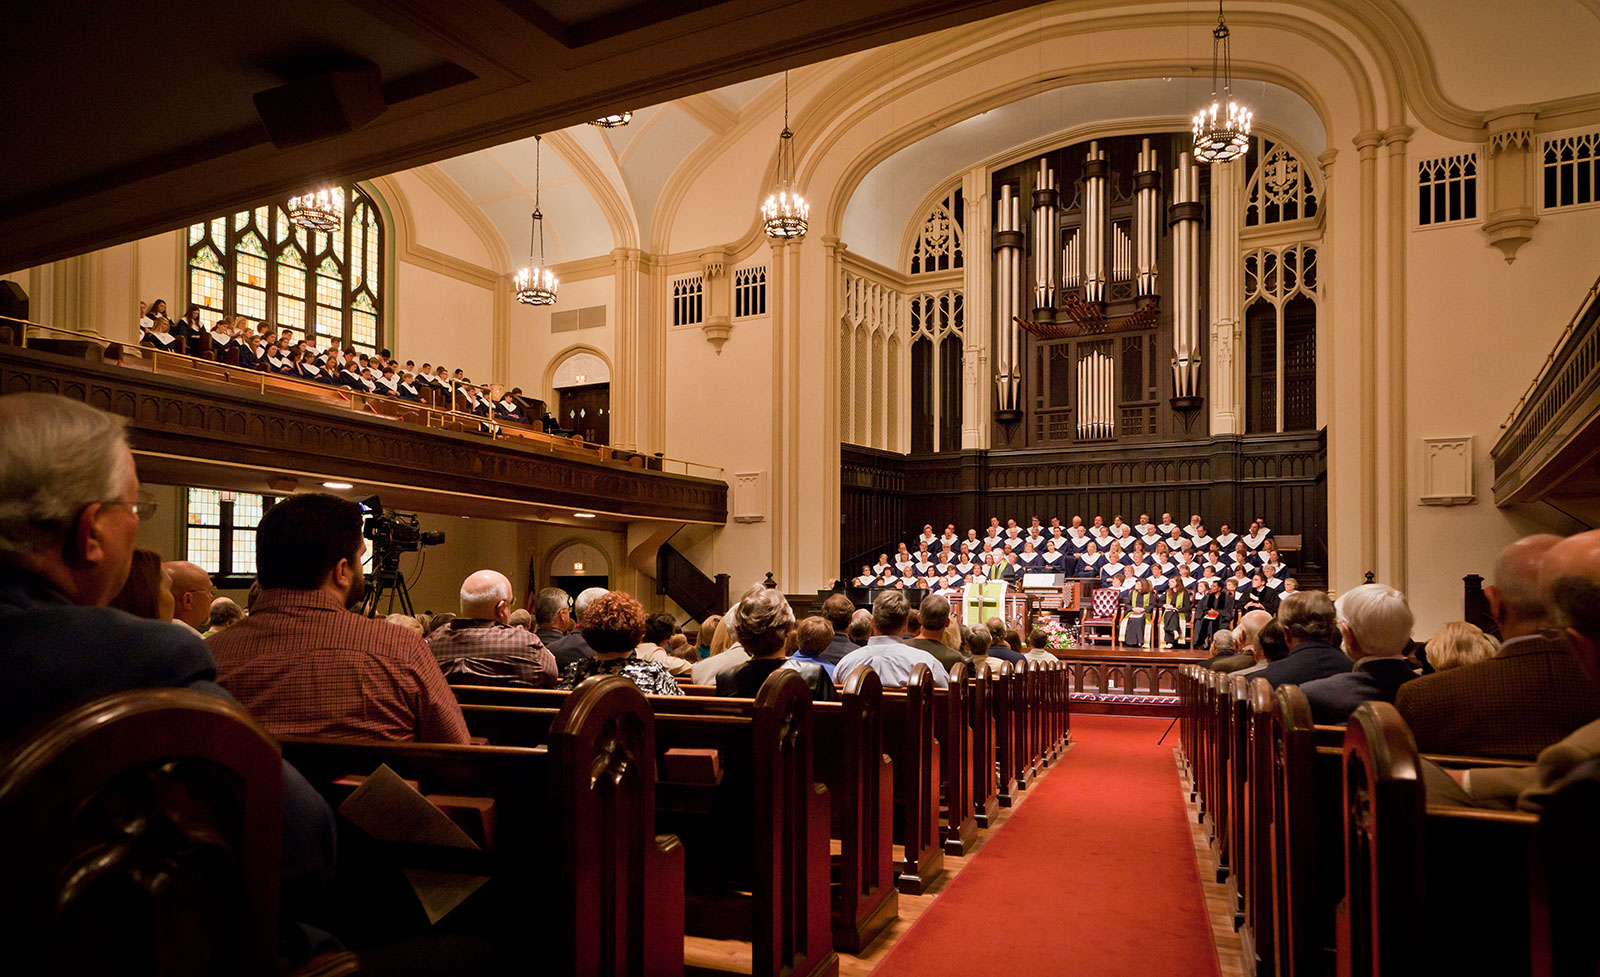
(325, 286)
(939, 244)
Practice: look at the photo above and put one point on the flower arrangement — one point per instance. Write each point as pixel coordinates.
(1061, 637)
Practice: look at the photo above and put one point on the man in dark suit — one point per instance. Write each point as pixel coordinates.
(1010, 570)
(552, 616)
(1309, 619)
(71, 517)
(1375, 622)
(838, 610)
(1528, 696)
(573, 647)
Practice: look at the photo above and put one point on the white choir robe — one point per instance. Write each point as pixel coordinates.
(866, 580)
(1128, 584)
(1226, 541)
(902, 566)
(921, 567)
(1159, 583)
(949, 540)
(1201, 541)
(1076, 544)
(1275, 584)
(965, 569)
(1110, 570)
(1053, 562)
(1102, 537)
(880, 568)
(1137, 569)
(927, 538)
(1191, 531)
(1149, 539)
(1255, 540)
(1029, 562)
(1089, 564)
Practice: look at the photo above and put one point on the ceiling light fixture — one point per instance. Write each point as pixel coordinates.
(1221, 136)
(785, 215)
(318, 210)
(584, 515)
(536, 284)
(612, 121)
(338, 486)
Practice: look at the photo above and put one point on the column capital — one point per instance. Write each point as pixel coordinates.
(1327, 158)
(1367, 142)
(1398, 135)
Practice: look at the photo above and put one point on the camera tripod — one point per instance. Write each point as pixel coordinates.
(387, 579)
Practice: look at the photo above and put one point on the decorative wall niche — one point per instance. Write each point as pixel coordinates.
(1447, 471)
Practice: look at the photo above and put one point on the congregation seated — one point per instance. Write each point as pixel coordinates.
(1310, 626)
(1375, 623)
(1527, 696)
(612, 625)
(1249, 653)
(813, 637)
(574, 646)
(726, 652)
(69, 515)
(481, 644)
(934, 634)
(1458, 643)
(886, 652)
(839, 611)
(1568, 583)
(224, 614)
(763, 623)
(303, 664)
(552, 618)
(1038, 647)
(998, 647)
(658, 631)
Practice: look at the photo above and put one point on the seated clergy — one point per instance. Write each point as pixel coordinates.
(762, 624)
(303, 664)
(69, 514)
(613, 624)
(1310, 621)
(1138, 624)
(1375, 622)
(1259, 596)
(886, 652)
(481, 643)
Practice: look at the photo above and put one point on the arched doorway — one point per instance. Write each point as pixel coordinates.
(582, 384)
(575, 566)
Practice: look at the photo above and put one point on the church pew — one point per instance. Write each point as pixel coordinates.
(910, 740)
(848, 758)
(980, 722)
(955, 750)
(1005, 743)
(1412, 869)
(1566, 862)
(573, 846)
(761, 827)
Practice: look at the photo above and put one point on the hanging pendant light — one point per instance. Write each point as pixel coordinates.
(785, 215)
(317, 210)
(612, 121)
(1221, 134)
(536, 284)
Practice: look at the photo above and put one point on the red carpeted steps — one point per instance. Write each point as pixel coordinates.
(1093, 875)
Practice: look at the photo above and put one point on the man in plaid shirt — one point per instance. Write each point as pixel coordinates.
(304, 665)
(482, 644)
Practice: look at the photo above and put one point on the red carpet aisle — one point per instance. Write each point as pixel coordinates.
(1093, 876)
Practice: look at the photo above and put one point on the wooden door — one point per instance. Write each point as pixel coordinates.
(587, 410)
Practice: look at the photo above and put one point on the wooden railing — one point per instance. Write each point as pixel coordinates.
(1559, 403)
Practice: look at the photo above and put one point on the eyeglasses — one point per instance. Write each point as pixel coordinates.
(144, 508)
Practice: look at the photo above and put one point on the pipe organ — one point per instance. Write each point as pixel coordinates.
(1113, 320)
(1185, 215)
(1008, 242)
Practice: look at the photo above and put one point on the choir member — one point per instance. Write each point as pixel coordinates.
(1028, 559)
(927, 536)
(949, 539)
(972, 541)
(882, 563)
(1090, 561)
(1195, 527)
(506, 409)
(866, 578)
(1166, 525)
(159, 336)
(1290, 586)
(222, 333)
(408, 389)
(349, 378)
(1052, 559)
(1077, 538)
(1269, 573)
(964, 565)
(251, 356)
(1200, 538)
(1147, 531)
(1226, 537)
(1241, 556)
(1256, 536)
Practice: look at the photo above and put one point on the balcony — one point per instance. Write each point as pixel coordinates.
(1553, 434)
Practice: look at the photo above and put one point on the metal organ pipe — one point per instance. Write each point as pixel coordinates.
(1094, 224)
(1147, 182)
(1008, 299)
(1184, 216)
(1044, 238)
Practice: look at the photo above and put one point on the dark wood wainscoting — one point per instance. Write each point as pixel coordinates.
(887, 497)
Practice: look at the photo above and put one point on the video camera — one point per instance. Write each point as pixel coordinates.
(392, 532)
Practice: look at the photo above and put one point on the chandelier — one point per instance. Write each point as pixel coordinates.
(536, 284)
(785, 214)
(318, 210)
(1221, 135)
(612, 121)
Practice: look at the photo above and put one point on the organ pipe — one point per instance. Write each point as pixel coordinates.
(1147, 183)
(1096, 393)
(1184, 216)
(1044, 235)
(1094, 224)
(1121, 253)
(1072, 260)
(1008, 299)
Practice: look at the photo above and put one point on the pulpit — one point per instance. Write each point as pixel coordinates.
(984, 599)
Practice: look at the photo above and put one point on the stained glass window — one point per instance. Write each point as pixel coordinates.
(220, 533)
(255, 263)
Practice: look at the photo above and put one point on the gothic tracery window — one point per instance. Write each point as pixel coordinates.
(325, 286)
(1280, 188)
(1281, 299)
(939, 243)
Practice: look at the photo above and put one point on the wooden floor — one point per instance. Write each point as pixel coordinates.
(1219, 895)
(734, 955)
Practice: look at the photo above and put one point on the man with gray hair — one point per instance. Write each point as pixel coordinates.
(1247, 657)
(572, 647)
(1311, 624)
(886, 650)
(70, 507)
(762, 622)
(1569, 580)
(480, 647)
(1376, 622)
(1529, 695)
(552, 615)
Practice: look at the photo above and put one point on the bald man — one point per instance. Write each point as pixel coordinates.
(192, 593)
(1569, 584)
(1529, 695)
(482, 648)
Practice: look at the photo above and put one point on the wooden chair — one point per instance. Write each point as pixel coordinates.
(1104, 603)
(146, 831)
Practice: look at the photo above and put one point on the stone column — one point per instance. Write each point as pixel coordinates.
(1226, 298)
(1367, 144)
(1393, 326)
(978, 306)
(625, 374)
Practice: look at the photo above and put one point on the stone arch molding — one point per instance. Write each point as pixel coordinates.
(547, 384)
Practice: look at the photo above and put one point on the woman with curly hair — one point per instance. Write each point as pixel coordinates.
(613, 625)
